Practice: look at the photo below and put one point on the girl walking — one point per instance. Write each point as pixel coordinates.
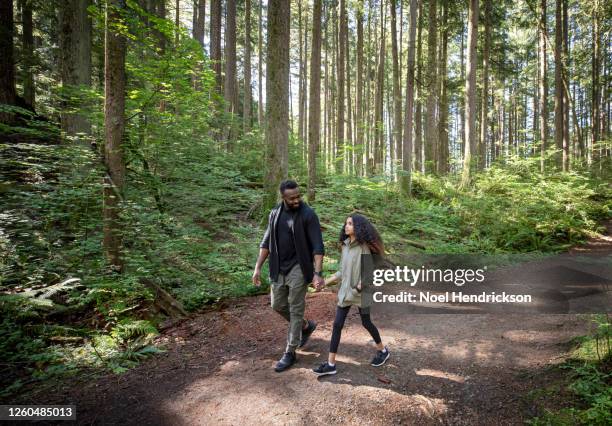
(358, 236)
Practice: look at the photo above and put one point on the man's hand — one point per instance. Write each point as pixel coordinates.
(256, 277)
(318, 282)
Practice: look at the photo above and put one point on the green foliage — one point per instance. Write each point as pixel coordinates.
(590, 375)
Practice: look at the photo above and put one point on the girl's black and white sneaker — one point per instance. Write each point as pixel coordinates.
(381, 357)
(324, 369)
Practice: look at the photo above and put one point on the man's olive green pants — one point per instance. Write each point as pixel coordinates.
(288, 296)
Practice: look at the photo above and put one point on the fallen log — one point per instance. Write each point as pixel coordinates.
(163, 300)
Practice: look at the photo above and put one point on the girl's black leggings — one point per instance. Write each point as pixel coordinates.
(341, 314)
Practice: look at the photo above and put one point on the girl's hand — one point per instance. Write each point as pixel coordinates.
(359, 286)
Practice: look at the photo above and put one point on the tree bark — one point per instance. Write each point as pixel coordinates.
(314, 114)
(75, 62)
(215, 40)
(277, 98)
(28, 53)
(359, 95)
(378, 114)
(559, 113)
(431, 128)
(248, 95)
(397, 100)
(470, 92)
(8, 95)
(114, 126)
(260, 108)
(419, 163)
(484, 116)
(406, 176)
(340, 79)
(543, 85)
(442, 157)
(231, 85)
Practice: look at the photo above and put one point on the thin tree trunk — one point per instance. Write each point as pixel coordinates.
(397, 100)
(378, 115)
(231, 85)
(566, 98)
(543, 86)
(406, 176)
(314, 115)
(349, 110)
(340, 63)
(8, 93)
(215, 40)
(559, 114)
(442, 158)
(482, 146)
(114, 125)
(260, 110)
(595, 93)
(419, 163)
(248, 96)
(277, 96)
(301, 78)
(470, 92)
(28, 53)
(359, 94)
(431, 128)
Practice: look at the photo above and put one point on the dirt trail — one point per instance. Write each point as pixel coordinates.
(449, 369)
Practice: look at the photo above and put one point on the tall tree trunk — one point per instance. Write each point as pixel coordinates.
(378, 115)
(566, 98)
(559, 114)
(277, 98)
(595, 91)
(397, 99)
(367, 111)
(314, 115)
(301, 65)
(419, 163)
(470, 92)
(543, 85)
(260, 110)
(177, 21)
(482, 146)
(431, 128)
(199, 13)
(359, 94)
(248, 96)
(340, 63)
(75, 61)
(349, 111)
(8, 94)
(442, 157)
(114, 126)
(406, 176)
(215, 40)
(462, 78)
(28, 53)
(231, 85)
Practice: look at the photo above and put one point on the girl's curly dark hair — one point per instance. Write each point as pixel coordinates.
(365, 233)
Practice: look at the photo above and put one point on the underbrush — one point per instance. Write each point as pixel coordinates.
(588, 380)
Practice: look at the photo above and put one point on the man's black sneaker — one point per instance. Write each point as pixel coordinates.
(380, 358)
(306, 333)
(324, 369)
(285, 362)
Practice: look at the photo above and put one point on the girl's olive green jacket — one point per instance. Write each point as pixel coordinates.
(350, 273)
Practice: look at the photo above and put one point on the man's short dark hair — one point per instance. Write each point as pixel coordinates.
(287, 184)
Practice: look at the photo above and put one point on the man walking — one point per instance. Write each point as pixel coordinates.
(294, 244)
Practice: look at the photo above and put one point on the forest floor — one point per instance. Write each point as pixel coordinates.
(444, 368)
